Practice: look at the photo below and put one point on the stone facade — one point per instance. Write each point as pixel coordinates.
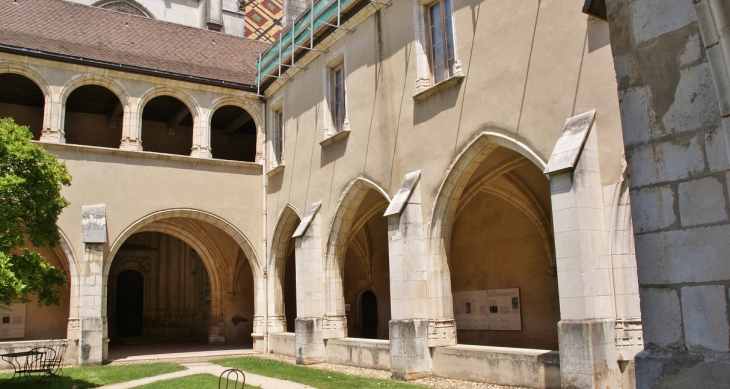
(521, 170)
(671, 61)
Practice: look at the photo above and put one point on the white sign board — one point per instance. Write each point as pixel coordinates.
(493, 309)
(12, 323)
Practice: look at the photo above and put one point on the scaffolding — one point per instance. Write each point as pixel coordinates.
(275, 61)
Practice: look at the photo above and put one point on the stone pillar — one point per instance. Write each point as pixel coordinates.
(586, 333)
(53, 116)
(93, 329)
(132, 127)
(673, 123)
(214, 15)
(201, 137)
(292, 9)
(309, 342)
(411, 330)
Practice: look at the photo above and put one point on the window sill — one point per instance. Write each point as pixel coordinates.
(278, 169)
(453, 80)
(334, 138)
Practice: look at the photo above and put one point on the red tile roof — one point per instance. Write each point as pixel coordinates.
(76, 32)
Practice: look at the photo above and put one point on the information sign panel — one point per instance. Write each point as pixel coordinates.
(493, 309)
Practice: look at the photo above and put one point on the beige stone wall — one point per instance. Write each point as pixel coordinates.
(515, 84)
(49, 322)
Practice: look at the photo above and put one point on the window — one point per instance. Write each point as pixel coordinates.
(276, 134)
(279, 135)
(436, 49)
(336, 123)
(441, 35)
(338, 97)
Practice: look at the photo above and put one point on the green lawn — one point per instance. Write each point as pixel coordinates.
(95, 376)
(197, 381)
(320, 379)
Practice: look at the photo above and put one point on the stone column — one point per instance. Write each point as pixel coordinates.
(309, 342)
(53, 116)
(93, 339)
(132, 127)
(586, 329)
(410, 325)
(201, 137)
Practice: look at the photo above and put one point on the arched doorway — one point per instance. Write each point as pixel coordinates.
(369, 315)
(130, 296)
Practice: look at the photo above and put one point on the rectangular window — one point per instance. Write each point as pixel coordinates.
(441, 34)
(279, 135)
(338, 97)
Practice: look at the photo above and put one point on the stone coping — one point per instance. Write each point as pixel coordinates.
(373, 342)
(501, 350)
(148, 155)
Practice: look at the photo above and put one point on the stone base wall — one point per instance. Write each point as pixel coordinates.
(367, 353)
(282, 343)
(71, 357)
(499, 365)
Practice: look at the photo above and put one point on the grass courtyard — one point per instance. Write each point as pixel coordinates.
(85, 377)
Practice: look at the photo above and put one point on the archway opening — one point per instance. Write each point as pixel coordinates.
(93, 117)
(366, 269)
(504, 288)
(167, 278)
(22, 100)
(130, 297)
(233, 134)
(167, 126)
(290, 291)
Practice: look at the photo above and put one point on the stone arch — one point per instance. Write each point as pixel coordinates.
(194, 214)
(206, 250)
(287, 221)
(446, 205)
(65, 251)
(338, 233)
(127, 6)
(247, 106)
(38, 79)
(94, 79)
(109, 83)
(157, 91)
(30, 73)
(238, 102)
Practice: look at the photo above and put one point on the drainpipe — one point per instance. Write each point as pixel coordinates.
(265, 181)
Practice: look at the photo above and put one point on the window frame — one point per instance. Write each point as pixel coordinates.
(338, 118)
(332, 129)
(277, 132)
(425, 73)
(448, 44)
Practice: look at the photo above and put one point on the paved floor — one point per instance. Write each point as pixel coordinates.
(216, 370)
(172, 350)
(185, 352)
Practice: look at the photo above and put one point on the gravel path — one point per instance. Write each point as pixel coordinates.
(431, 382)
